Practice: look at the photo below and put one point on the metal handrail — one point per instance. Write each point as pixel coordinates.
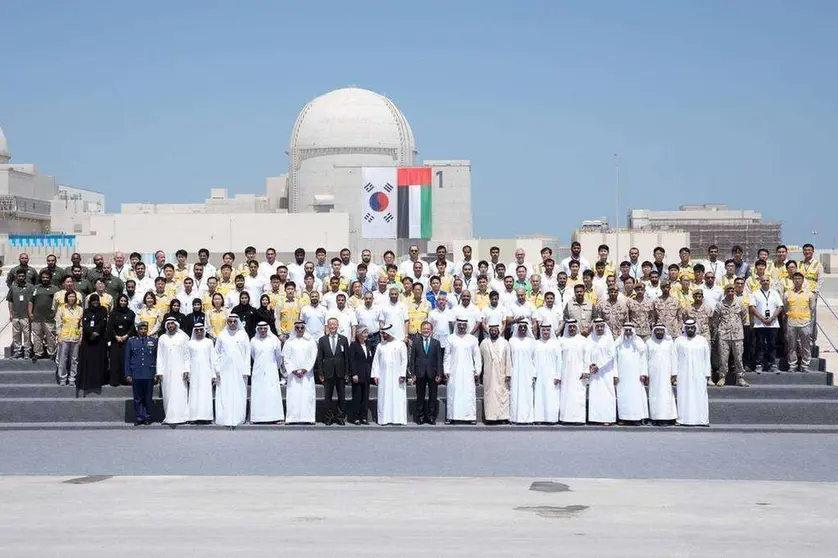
(820, 327)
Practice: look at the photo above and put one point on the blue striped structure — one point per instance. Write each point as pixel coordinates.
(42, 240)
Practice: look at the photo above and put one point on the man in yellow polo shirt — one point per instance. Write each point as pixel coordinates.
(813, 274)
(418, 309)
(799, 305)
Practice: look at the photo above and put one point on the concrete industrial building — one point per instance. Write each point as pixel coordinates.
(334, 137)
(593, 233)
(712, 224)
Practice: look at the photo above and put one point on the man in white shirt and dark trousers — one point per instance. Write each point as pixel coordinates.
(766, 306)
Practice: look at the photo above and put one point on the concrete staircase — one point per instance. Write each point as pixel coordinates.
(29, 395)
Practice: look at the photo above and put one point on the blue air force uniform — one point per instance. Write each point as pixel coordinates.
(141, 366)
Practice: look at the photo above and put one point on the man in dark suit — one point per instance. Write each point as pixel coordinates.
(426, 368)
(332, 367)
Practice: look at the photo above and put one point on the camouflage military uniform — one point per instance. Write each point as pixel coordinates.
(615, 314)
(666, 312)
(642, 313)
(702, 316)
(730, 321)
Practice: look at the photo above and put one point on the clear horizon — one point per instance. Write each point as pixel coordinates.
(706, 102)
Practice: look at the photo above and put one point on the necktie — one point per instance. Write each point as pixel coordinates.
(333, 344)
(427, 345)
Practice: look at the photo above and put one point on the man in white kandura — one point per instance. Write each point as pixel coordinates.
(203, 361)
(575, 372)
(172, 370)
(299, 355)
(233, 347)
(632, 405)
(265, 391)
(389, 371)
(602, 396)
(522, 380)
(462, 368)
(548, 365)
(693, 370)
(663, 369)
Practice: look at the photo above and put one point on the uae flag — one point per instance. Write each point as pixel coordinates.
(414, 203)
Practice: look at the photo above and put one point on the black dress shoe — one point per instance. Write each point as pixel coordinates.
(138, 422)
(365, 422)
(432, 421)
(341, 422)
(147, 422)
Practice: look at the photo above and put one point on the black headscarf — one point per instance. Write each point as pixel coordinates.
(261, 314)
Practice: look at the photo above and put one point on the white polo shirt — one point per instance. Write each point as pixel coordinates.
(764, 302)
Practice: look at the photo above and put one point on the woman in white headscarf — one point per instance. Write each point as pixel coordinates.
(202, 373)
(233, 347)
(265, 391)
(602, 395)
(632, 404)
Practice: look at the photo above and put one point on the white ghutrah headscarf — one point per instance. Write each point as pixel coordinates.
(570, 322)
(636, 341)
(665, 333)
(608, 333)
(270, 333)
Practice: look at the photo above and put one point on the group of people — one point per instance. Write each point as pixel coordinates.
(529, 332)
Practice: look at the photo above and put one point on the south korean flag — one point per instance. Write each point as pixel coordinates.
(378, 202)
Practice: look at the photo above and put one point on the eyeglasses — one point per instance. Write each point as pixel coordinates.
(299, 327)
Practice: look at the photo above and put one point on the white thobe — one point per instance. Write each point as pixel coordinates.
(233, 366)
(143, 286)
(395, 315)
(575, 360)
(202, 371)
(330, 299)
(471, 313)
(389, 365)
(255, 287)
(186, 300)
(406, 268)
(346, 320)
(462, 363)
(297, 273)
(315, 319)
(663, 366)
(267, 269)
(172, 362)
(548, 364)
(265, 391)
(693, 370)
(602, 395)
(299, 353)
(497, 314)
(441, 321)
(521, 394)
(632, 363)
(549, 316)
(233, 297)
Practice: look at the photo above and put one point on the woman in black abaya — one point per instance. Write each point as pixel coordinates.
(93, 352)
(120, 328)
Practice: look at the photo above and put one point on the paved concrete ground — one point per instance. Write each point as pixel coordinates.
(350, 516)
(684, 454)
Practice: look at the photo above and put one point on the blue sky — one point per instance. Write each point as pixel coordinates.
(705, 101)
